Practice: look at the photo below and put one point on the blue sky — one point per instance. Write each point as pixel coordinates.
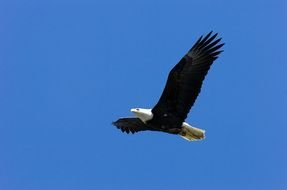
(70, 68)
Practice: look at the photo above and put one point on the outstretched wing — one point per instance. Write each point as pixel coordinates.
(132, 125)
(185, 79)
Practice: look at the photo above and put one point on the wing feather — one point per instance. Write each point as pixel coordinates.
(132, 125)
(185, 79)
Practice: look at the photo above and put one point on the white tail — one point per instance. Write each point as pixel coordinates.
(191, 133)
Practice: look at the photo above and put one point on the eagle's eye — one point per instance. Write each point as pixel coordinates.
(137, 109)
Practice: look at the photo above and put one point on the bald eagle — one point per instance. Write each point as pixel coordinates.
(181, 90)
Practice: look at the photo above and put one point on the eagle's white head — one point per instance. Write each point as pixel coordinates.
(143, 114)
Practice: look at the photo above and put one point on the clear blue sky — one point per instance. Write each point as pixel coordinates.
(70, 68)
